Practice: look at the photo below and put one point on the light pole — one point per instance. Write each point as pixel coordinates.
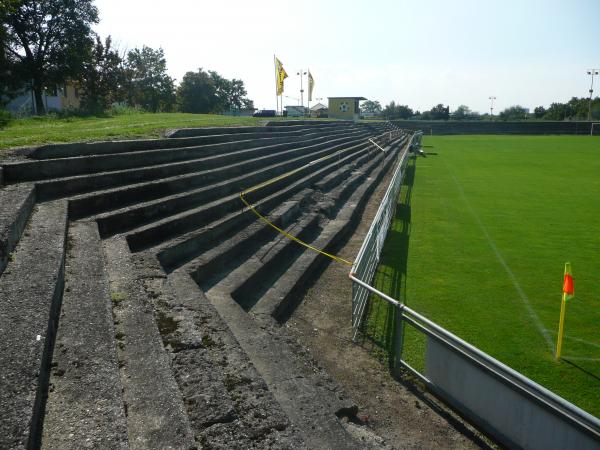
(301, 72)
(591, 72)
(492, 98)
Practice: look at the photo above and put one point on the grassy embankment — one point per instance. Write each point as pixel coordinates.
(35, 131)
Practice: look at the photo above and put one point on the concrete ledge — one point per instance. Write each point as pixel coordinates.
(30, 308)
(16, 205)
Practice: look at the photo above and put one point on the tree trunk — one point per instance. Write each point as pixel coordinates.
(40, 108)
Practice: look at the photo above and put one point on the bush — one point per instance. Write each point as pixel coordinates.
(5, 117)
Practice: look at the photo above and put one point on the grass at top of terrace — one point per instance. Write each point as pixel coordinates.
(35, 131)
(481, 234)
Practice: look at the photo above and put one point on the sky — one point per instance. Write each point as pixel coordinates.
(419, 52)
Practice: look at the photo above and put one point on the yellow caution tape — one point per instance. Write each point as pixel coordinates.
(289, 236)
(271, 224)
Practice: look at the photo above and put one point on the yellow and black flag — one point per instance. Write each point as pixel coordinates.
(311, 85)
(281, 75)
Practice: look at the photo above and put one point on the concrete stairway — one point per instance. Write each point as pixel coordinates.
(163, 331)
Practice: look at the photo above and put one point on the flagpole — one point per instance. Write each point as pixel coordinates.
(561, 325)
(276, 93)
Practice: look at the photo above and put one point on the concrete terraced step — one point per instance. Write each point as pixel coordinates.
(248, 240)
(115, 198)
(200, 217)
(281, 298)
(169, 331)
(215, 135)
(16, 204)
(71, 185)
(31, 290)
(85, 406)
(79, 165)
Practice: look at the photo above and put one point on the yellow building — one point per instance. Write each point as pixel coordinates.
(344, 107)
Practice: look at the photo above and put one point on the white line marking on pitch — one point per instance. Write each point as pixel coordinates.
(573, 338)
(509, 272)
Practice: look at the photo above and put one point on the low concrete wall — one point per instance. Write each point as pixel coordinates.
(497, 127)
(513, 416)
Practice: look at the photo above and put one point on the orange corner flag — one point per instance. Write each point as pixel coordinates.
(568, 293)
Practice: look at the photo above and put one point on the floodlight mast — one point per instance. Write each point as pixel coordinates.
(492, 98)
(301, 72)
(591, 72)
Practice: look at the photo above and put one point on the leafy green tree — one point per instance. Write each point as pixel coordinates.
(369, 106)
(146, 83)
(197, 93)
(231, 94)
(393, 111)
(516, 112)
(558, 111)
(463, 112)
(101, 77)
(539, 112)
(440, 112)
(48, 40)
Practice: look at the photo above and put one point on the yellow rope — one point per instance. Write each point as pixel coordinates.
(271, 224)
(289, 236)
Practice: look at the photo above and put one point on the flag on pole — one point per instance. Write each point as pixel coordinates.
(311, 85)
(568, 293)
(281, 75)
(568, 288)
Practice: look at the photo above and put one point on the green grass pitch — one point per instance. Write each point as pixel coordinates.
(483, 228)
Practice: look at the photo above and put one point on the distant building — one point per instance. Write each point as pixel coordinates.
(56, 98)
(296, 111)
(318, 110)
(344, 107)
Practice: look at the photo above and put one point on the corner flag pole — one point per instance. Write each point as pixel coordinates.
(568, 292)
(561, 325)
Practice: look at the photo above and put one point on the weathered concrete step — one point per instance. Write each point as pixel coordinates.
(291, 126)
(279, 301)
(71, 185)
(116, 198)
(166, 205)
(218, 135)
(156, 416)
(227, 401)
(275, 260)
(248, 282)
(16, 204)
(85, 403)
(197, 218)
(30, 295)
(181, 249)
(63, 167)
(209, 267)
(312, 401)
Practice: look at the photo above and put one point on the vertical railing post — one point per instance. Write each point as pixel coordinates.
(398, 339)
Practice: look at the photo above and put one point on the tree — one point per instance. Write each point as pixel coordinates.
(197, 93)
(440, 112)
(539, 112)
(516, 112)
(372, 107)
(463, 112)
(393, 111)
(230, 93)
(147, 84)
(48, 40)
(101, 77)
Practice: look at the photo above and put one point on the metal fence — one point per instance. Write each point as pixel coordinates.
(515, 410)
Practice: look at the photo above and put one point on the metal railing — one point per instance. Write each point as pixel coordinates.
(503, 402)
